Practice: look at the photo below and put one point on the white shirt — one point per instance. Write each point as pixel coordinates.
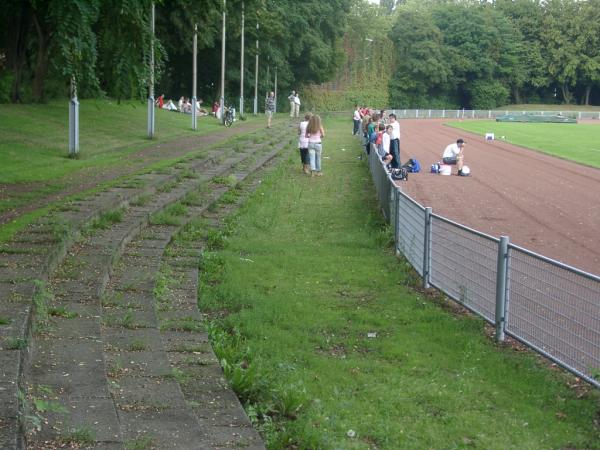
(451, 151)
(396, 130)
(357, 115)
(302, 139)
(385, 142)
(297, 100)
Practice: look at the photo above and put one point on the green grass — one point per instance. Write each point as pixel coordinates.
(35, 137)
(296, 290)
(576, 142)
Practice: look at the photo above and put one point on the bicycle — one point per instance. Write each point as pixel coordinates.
(229, 116)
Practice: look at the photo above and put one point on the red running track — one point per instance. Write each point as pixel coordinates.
(545, 204)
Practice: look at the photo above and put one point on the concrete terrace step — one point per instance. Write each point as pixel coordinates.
(69, 358)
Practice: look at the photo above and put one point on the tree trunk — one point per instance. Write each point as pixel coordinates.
(567, 96)
(516, 95)
(588, 91)
(16, 51)
(41, 66)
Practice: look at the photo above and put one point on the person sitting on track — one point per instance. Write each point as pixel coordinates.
(453, 155)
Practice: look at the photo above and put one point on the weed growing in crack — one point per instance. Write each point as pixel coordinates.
(41, 298)
(142, 443)
(5, 321)
(82, 435)
(63, 312)
(141, 200)
(104, 221)
(167, 187)
(13, 343)
(171, 215)
(137, 346)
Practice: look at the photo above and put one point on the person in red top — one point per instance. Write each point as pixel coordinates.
(161, 101)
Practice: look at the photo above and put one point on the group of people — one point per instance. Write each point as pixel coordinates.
(184, 105)
(382, 132)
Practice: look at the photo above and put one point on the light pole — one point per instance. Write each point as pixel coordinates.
(365, 57)
(275, 89)
(256, 73)
(195, 75)
(73, 121)
(151, 90)
(222, 102)
(242, 68)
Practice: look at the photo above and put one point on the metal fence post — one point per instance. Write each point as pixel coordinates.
(73, 127)
(397, 221)
(427, 248)
(501, 281)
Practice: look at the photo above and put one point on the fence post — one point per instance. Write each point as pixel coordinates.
(444, 114)
(501, 277)
(427, 248)
(397, 220)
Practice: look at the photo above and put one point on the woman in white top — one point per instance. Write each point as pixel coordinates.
(315, 133)
(303, 144)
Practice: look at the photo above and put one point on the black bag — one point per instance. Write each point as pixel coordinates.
(400, 174)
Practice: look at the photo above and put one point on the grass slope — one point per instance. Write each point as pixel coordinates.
(35, 140)
(302, 281)
(577, 142)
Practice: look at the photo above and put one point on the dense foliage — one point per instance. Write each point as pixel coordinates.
(481, 54)
(104, 45)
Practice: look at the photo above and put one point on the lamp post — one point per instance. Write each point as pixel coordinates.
(256, 74)
(275, 89)
(195, 76)
(73, 121)
(242, 67)
(151, 87)
(222, 100)
(365, 58)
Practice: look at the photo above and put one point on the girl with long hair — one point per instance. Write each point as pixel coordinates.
(315, 133)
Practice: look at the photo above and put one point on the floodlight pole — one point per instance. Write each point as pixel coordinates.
(242, 67)
(73, 121)
(195, 75)
(275, 89)
(256, 73)
(151, 87)
(222, 100)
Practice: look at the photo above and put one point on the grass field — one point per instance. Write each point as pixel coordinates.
(546, 107)
(330, 347)
(577, 142)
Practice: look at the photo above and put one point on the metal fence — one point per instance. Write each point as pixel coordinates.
(549, 306)
(485, 113)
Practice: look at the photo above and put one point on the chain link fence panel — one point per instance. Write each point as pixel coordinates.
(410, 236)
(555, 309)
(463, 265)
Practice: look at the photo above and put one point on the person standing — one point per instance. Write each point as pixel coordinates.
(297, 105)
(270, 108)
(395, 141)
(356, 118)
(303, 144)
(315, 133)
(292, 100)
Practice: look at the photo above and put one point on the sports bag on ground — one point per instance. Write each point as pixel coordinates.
(400, 174)
(435, 168)
(412, 165)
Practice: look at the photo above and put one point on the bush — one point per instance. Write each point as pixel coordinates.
(488, 94)
(6, 81)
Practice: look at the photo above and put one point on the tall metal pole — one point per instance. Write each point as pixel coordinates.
(151, 87)
(242, 67)
(222, 102)
(73, 121)
(256, 74)
(195, 75)
(275, 89)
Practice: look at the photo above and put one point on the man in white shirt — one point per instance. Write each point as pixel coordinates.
(453, 155)
(356, 118)
(292, 100)
(297, 105)
(395, 141)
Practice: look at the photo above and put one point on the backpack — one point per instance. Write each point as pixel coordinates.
(400, 174)
(435, 168)
(412, 165)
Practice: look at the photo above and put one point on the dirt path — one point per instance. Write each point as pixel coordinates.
(543, 203)
(89, 178)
